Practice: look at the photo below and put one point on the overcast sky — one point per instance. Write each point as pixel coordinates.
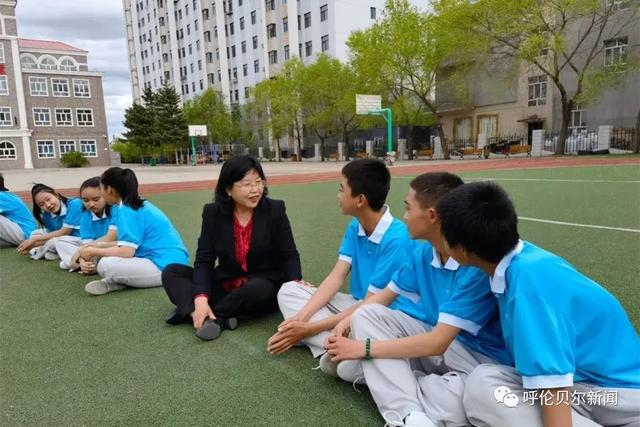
(93, 25)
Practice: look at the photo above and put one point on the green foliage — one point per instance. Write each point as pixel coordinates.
(210, 109)
(73, 159)
(129, 153)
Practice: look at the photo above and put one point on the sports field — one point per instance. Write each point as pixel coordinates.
(70, 359)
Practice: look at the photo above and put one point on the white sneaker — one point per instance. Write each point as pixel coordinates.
(100, 287)
(418, 419)
(351, 371)
(37, 253)
(63, 266)
(327, 366)
(51, 256)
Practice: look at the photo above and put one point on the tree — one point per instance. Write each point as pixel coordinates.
(169, 120)
(410, 112)
(140, 122)
(211, 110)
(562, 39)
(401, 53)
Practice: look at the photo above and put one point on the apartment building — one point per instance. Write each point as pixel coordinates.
(231, 45)
(50, 103)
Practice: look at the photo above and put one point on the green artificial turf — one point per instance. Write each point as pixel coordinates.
(70, 359)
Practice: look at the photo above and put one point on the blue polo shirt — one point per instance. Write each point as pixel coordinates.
(561, 326)
(68, 217)
(151, 234)
(93, 227)
(14, 209)
(375, 258)
(454, 295)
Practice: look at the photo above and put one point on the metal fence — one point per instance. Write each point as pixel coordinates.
(622, 138)
(576, 142)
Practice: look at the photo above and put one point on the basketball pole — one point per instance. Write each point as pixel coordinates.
(193, 151)
(388, 117)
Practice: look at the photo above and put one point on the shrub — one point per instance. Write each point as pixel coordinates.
(74, 159)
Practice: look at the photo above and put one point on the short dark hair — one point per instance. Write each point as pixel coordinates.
(42, 188)
(481, 218)
(233, 170)
(93, 183)
(2, 187)
(369, 177)
(125, 183)
(431, 186)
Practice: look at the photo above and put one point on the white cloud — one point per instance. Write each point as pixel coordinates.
(93, 25)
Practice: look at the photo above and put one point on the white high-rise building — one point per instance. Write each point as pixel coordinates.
(231, 45)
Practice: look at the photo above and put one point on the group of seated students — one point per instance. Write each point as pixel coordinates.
(451, 319)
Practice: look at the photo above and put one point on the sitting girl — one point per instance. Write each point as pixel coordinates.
(16, 222)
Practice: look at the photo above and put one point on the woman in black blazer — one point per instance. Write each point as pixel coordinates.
(250, 238)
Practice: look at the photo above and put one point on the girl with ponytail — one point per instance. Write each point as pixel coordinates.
(58, 217)
(146, 242)
(16, 222)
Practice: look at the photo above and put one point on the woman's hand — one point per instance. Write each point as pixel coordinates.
(26, 245)
(87, 267)
(202, 311)
(290, 332)
(341, 348)
(86, 252)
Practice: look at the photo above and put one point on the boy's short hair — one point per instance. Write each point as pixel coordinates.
(431, 186)
(369, 177)
(481, 218)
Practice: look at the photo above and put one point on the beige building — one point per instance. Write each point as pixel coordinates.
(50, 103)
(510, 102)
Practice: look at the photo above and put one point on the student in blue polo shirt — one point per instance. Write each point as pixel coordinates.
(58, 215)
(147, 240)
(95, 222)
(16, 222)
(459, 321)
(569, 336)
(375, 244)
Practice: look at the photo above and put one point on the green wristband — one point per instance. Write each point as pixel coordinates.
(367, 349)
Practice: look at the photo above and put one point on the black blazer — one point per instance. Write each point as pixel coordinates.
(272, 255)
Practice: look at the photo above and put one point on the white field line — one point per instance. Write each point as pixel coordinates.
(551, 180)
(573, 224)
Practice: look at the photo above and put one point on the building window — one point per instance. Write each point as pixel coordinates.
(271, 31)
(618, 4)
(300, 50)
(308, 48)
(42, 117)
(48, 64)
(46, 149)
(68, 65)
(5, 116)
(231, 28)
(286, 52)
(271, 4)
(578, 121)
(372, 12)
(7, 151)
(307, 19)
(253, 17)
(60, 87)
(243, 46)
(242, 23)
(4, 85)
(64, 117)
(1, 54)
(38, 86)
(256, 66)
(84, 117)
(285, 24)
(537, 90)
(88, 147)
(66, 146)
(81, 88)
(28, 62)
(324, 12)
(233, 51)
(325, 43)
(246, 92)
(255, 42)
(273, 57)
(615, 51)
(245, 70)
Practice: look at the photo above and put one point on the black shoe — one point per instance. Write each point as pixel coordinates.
(210, 330)
(229, 323)
(175, 317)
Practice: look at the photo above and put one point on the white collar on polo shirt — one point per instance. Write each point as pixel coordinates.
(95, 217)
(381, 228)
(498, 281)
(451, 263)
(63, 210)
